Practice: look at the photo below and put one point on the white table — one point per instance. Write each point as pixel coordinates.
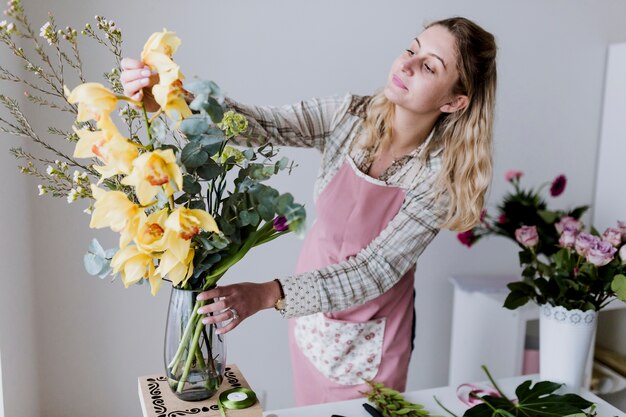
(446, 395)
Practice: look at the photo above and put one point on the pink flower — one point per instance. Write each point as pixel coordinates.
(584, 241)
(601, 253)
(558, 186)
(613, 236)
(512, 174)
(621, 225)
(467, 238)
(568, 238)
(622, 254)
(502, 219)
(568, 223)
(483, 213)
(470, 394)
(527, 236)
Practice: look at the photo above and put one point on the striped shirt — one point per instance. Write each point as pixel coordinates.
(331, 125)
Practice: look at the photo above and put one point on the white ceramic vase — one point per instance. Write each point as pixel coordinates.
(565, 338)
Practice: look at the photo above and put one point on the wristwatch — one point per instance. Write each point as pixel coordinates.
(279, 305)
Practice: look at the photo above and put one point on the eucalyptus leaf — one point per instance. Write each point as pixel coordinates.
(191, 185)
(209, 170)
(193, 155)
(93, 263)
(194, 125)
(618, 285)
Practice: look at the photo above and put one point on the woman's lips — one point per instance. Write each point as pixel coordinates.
(398, 82)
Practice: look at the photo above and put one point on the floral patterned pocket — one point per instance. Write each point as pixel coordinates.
(342, 351)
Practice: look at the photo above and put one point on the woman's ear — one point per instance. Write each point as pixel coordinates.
(459, 102)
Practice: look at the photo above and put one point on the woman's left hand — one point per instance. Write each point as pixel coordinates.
(235, 303)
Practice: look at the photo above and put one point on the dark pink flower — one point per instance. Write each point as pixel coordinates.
(280, 224)
(558, 186)
(502, 219)
(467, 238)
(512, 174)
(527, 236)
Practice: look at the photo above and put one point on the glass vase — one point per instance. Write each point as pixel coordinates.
(195, 356)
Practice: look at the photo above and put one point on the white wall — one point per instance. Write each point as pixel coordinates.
(18, 339)
(95, 338)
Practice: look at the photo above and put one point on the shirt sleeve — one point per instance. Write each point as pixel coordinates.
(305, 124)
(377, 267)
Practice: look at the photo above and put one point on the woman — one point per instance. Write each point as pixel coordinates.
(396, 168)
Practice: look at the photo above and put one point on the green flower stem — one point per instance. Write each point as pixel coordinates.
(269, 238)
(186, 334)
(248, 244)
(193, 346)
(442, 406)
(484, 368)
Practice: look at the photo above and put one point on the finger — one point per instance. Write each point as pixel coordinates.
(211, 294)
(135, 74)
(215, 307)
(218, 318)
(131, 63)
(133, 87)
(229, 326)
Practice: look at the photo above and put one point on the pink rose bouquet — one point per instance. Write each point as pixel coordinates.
(586, 272)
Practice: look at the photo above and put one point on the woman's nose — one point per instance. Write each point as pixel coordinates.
(407, 66)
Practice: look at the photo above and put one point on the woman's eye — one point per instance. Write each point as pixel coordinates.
(410, 52)
(429, 69)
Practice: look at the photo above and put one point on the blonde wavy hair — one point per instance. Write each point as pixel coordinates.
(466, 135)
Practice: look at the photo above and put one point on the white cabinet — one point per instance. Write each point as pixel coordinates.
(485, 333)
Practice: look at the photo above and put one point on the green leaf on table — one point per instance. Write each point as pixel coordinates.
(618, 285)
(537, 401)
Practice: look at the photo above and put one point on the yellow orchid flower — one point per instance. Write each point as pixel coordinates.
(168, 70)
(177, 270)
(153, 171)
(187, 223)
(152, 234)
(110, 147)
(95, 101)
(134, 265)
(165, 42)
(171, 98)
(113, 209)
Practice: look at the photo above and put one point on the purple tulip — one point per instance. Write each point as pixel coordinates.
(558, 186)
(280, 224)
(527, 236)
(601, 253)
(584, 241)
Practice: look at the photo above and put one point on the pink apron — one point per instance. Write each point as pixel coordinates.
(333, 352)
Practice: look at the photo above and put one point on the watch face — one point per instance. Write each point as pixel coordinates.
(280, 304)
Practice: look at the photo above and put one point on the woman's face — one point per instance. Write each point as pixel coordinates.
(422, 77)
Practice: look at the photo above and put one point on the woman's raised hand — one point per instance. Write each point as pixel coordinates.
(137, 80)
